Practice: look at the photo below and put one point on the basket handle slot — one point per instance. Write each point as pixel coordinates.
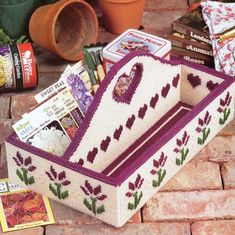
(127, 84)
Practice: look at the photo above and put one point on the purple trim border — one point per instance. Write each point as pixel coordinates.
(63, 161)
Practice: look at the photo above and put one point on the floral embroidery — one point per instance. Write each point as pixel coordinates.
(202, 128)
(25, 167)
(224, 108)
(135, 193)
(96, 195)
(59, 180)
(157, 164)
(182, 149)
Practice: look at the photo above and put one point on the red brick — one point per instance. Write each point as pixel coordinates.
(218, 227)
(222, 149)
(190, 206)
(5, 129)
(74, 217)
(228, 174)
(5, 107)
(197, 175)
(21, 104)
(47, 79)
(203, 155)
(47, 62)
(104, 229)
(159, 22)
(30, 231)
(165, 4)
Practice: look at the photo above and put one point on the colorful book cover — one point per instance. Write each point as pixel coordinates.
(193, 25)
(21, 208)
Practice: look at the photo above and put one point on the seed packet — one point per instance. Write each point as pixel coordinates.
(21, 208)
(52, 125)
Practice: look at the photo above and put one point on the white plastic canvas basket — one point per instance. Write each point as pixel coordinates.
(130, 145)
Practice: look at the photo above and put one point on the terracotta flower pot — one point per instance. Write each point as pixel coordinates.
(120, 15)
(64, 28)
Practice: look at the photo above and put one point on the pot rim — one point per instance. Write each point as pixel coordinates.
(61, 5)
(120, 1)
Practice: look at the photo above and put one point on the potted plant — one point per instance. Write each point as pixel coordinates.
(119, 15)
(14, 18)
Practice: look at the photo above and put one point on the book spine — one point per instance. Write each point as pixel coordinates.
(193, 33)
(191, 46)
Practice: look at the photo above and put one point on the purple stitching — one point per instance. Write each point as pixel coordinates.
(117, 133)
(130, 121)
(211, 85)
(142, 111)
(194, 80)
(154, 101)
(165, 90)
(91, 155)
(127, 96)
(105, 143)
(175, 81)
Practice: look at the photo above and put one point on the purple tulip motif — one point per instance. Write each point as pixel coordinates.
(161, 173)
(59, 181)
(182, 149)
(203, 128)
(25, 167)
(134, 192)
(96, 195)
(224, 108)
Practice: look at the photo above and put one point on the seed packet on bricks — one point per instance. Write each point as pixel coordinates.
(21, 208)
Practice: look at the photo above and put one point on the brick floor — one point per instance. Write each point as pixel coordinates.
(199, 200)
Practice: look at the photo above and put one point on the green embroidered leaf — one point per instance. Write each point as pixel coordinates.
(100, 209)
(155, 183)
(199, 141)
(221, 121)
(64, 194)
(178, 162)
(53, 190)
(228, 113)
(130, 206)
(87, 204)
(20, 175)
(140, 196)
(163, 175)
(31, 180)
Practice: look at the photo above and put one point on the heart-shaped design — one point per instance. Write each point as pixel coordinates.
(142, 111)
(105, 143)
(194, 80)
(175, 81)
(154, 101)
(211, 85)
(92, 154)
(118, 132)
(165, 90)
(130, 121)
(80, 162)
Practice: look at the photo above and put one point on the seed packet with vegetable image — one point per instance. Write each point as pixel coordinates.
(21, 208)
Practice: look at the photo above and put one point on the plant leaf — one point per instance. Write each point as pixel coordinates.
(100, 209)
(87, 204)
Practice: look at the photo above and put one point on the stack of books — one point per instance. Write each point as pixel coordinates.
(190, 38)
